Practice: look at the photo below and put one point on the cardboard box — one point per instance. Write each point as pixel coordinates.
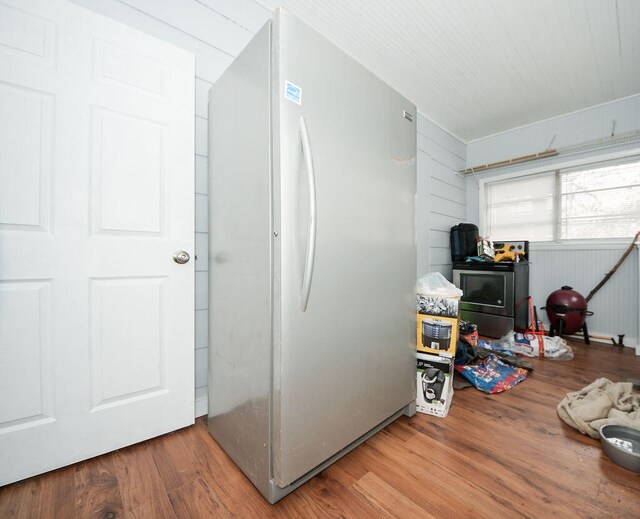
(437, 334)
(435, 384)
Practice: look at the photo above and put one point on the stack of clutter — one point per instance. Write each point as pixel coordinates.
(491, 367)
(437, 320)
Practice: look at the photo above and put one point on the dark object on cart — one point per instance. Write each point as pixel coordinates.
(463, 239)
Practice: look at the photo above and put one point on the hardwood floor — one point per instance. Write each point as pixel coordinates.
(505, 455)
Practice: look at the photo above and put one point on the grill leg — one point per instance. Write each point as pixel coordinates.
(586, 333)
(560, 328)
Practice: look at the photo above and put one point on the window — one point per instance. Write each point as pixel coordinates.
(598, 201)
(521, 209)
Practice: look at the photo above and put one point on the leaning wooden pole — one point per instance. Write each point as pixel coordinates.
(613, 270)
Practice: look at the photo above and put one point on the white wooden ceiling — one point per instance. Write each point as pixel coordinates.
(477, 68)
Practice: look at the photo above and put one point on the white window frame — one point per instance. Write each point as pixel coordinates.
(591, 244)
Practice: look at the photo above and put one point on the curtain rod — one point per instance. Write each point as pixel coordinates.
(517, 160)
(596, 144)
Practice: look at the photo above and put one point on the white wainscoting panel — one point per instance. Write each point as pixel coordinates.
(615, 306)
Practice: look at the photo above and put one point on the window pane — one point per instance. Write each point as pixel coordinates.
(601, 178)
(601, 227)
(521, 209)
(600, 203)
(596, 202)
(620, 201)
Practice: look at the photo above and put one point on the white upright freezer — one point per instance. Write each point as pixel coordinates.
(312, 256)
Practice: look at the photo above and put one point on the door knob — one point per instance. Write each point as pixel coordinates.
(181, 257)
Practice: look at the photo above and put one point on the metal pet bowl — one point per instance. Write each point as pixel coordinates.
(622, 445)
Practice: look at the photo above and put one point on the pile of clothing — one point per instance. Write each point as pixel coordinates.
(489, 370)
(602, 402)
(530, 345)
(495, 366)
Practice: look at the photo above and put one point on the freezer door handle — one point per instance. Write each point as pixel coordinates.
(311, 241)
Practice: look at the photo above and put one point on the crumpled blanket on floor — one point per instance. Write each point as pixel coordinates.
(601, 403)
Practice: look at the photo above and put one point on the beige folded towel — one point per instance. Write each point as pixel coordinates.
(601, 403)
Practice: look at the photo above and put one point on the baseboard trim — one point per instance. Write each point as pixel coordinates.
(202, 406)
(629, 342)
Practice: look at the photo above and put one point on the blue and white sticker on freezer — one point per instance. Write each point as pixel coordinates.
(293, 92)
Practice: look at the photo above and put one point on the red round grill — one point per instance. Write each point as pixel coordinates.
(567, 311)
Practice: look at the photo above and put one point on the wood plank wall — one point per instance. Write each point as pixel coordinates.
(441, 195)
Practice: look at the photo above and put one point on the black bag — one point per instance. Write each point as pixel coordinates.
(464, 241)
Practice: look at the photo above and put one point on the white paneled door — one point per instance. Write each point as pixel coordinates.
(96, 198)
